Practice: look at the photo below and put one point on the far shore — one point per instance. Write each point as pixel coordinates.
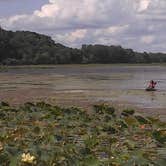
(82, 65)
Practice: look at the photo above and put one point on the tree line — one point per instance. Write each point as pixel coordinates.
(25, 48)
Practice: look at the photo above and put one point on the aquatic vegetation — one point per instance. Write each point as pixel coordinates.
(43, 134)
(3, 68)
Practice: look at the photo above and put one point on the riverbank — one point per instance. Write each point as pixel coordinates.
(86, 65)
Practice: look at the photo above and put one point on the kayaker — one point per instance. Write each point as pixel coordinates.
(152, 84)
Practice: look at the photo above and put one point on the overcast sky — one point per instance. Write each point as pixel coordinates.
(136, 24)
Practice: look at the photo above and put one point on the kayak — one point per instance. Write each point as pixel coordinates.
(150, 89)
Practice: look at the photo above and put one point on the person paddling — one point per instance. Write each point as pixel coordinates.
(152, 84)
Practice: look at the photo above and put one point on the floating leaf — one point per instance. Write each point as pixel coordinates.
(131, 121)
(128, 112)
(3, 104)
(142, 120)
(160, 136)
(91, 161)
(71, 136)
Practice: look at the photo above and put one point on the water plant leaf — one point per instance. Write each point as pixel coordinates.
(2, 104)
(71, 136)
(160, 136)
(103, 108)
(14, 161)
(142, 120)
(128, 112)
(91, 161)
(131, 121)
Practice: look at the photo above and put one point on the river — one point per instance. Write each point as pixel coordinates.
(85, 83)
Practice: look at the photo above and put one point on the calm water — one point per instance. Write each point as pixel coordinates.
(90, 82)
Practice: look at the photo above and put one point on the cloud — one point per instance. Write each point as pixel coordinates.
(49, 10)
(70, 37)
(143, 5)
(78, 34)
(111, 30)
(77, 13)
(147, 39)
(139, 24)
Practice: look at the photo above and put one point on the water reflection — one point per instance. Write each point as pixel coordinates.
(153, 96)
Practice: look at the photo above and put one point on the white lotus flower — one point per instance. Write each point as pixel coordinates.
(28, 158)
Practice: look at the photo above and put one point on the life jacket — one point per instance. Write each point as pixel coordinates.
(152, 84)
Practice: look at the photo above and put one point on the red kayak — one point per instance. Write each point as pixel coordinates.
(150, 89)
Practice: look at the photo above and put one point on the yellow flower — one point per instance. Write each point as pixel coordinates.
(27, 158)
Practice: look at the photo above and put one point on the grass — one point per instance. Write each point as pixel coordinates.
(42, 134)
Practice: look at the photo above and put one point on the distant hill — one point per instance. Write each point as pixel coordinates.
(25, 48)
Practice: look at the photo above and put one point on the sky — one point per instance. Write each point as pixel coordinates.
(136, 24)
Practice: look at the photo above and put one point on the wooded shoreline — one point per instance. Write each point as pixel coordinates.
(30, 48)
